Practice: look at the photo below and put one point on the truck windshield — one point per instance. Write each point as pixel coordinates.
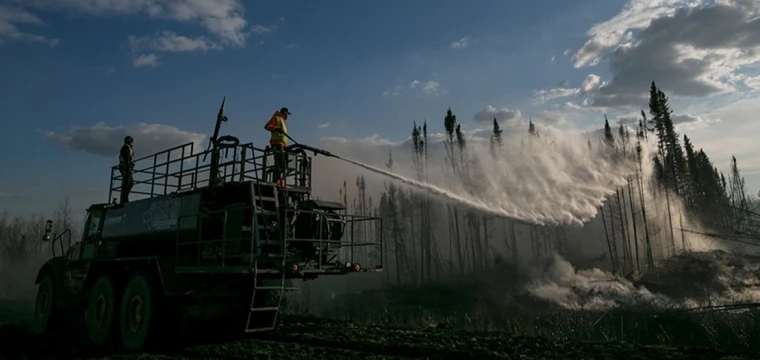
(93, 226)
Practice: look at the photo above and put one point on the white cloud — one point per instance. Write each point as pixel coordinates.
(687, 118)
(503, 115)
(263, 29)
(10, 19)
(324, 126)
(395, 91)
(146, 60)
(105, 140)
(552, 60)
(590, 83)
(556, 93)
(753, 82)
(461, 43)
(167, 41)
(572, 106)
(430, 88)
(637, 14)
(736, 135)
(224, 19)
(144, 49)
(689, 48)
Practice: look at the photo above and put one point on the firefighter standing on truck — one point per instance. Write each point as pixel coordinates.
(276, 125)
(126, 167)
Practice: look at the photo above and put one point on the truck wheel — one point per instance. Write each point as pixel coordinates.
(136, 323)
(46, 314)
(100, 311)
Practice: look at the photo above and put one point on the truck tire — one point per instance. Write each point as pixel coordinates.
(136, 316)
(46, 313)
(101, 311)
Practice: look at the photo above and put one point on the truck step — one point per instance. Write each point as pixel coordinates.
(261, 309)
(266, 198)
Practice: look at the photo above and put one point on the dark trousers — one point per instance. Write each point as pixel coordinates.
(280, 162)
(126, 182)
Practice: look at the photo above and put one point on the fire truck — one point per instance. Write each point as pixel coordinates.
(212, 237)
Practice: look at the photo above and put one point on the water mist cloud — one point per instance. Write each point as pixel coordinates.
(688, 280)
(557, 181)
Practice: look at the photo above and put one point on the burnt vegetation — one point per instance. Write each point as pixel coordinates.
(455, 279)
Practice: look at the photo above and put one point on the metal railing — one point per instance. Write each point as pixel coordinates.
(59, 239)
(245, 251)
(181, 169)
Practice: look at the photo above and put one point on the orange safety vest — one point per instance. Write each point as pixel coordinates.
(277, 122)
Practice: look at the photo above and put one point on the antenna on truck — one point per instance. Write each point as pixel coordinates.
(214, 147)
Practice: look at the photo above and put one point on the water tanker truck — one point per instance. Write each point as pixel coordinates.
(216, 241)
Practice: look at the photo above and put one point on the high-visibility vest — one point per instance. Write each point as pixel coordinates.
(277, 121)
(122, 160)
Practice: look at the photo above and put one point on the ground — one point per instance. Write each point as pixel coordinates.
(313, 338)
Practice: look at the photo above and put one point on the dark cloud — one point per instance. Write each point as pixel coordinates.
(103, 140)
(695, 52)
(502, 115)
(685, 118)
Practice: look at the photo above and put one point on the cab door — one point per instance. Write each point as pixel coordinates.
(80, 255)
(91, 235)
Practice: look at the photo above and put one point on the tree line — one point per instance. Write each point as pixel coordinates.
(648, 219)
(644, 221)
(22, 250)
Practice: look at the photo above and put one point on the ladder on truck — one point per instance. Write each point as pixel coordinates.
(263, 311)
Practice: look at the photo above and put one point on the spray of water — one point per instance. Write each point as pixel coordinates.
(562, 181)
(435, 190)
(557, 183)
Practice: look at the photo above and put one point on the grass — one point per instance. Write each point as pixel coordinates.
(412, 333)
(459, 307)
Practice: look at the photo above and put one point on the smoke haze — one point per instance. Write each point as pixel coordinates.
(561, 181)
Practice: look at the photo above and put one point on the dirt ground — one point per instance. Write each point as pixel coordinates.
(312, 338)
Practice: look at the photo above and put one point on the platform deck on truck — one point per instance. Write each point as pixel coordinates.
(177, 180)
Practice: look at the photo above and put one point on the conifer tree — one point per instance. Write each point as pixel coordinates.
(496, 140)
(609, 139)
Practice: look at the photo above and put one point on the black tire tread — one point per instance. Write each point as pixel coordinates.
(104, 336)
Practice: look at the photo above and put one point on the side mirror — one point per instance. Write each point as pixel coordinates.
(48, 230)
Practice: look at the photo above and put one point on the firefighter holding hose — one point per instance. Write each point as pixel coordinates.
(279, 138)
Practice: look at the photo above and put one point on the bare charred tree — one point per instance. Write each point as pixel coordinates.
(455, 243)
(636, 236)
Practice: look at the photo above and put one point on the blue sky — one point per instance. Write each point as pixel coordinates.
(346, 69)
